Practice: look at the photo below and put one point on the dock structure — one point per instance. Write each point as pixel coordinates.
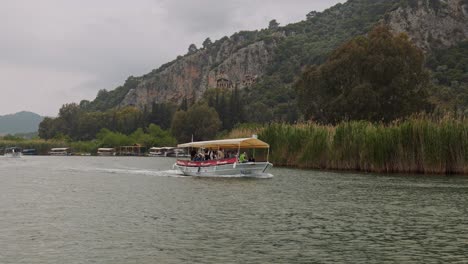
(135, 150)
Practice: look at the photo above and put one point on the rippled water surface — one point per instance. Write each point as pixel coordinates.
(136, 210)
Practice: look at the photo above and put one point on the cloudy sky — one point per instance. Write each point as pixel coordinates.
(60, 51)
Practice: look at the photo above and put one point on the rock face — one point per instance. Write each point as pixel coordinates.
(432, 24)
(242, 59)
(225, 64)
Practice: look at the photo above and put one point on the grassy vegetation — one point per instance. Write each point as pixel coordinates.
(417, 145)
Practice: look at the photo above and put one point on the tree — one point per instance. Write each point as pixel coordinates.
(47, 128)
(192, 49)
(311, 14)
(68, 117)
(184, 104)
(180, 128)
(273, 25)
(89, 124)
(200, 121)
(379, 77)
(207, 43)
(161, 114)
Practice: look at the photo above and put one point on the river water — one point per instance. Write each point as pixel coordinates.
(136, 210)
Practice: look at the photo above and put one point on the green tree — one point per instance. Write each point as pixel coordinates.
(379, 77)
(207, 43)
(89, 124)
(273, 25)
(161, 137)
(192, 49)
(47, 128)
(111, 139)
(68, 116)
(200, 121)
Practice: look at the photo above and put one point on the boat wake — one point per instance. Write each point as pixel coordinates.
(166, 173)
(127, 171)
(240, 176)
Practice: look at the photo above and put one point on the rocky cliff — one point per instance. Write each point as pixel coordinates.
(247, 57)
(432, 24)
(227, 63)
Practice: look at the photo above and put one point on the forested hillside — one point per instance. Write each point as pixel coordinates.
(283, 53)
(252, 76)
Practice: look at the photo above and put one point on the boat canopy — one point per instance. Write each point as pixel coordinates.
(227, 143)
(155, 148)
(106, 149)
(60, 149)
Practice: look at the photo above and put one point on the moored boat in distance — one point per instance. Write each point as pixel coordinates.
(159, 152)
(106, 152)
(155, 152)
(177, 153)
(60, 152)
(29, 152)
(225, 158)
(13, 152)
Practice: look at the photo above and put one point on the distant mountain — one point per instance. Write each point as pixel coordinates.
(21, 122)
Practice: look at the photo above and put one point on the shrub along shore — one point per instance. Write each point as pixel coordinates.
(417, 145)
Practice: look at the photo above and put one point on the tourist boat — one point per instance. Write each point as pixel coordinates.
(159, 152)
(177, 153)
(13, 152)
(60, 152)
(106, 152)
(155, 152)
(230, 166)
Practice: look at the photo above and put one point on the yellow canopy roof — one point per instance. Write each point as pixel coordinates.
(227, 143)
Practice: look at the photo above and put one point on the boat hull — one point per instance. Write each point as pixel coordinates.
(248, 169)
(13, 155)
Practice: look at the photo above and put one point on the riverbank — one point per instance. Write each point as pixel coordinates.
(419, 145)
(44, 146)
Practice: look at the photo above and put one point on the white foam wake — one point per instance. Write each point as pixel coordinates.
(165, 173)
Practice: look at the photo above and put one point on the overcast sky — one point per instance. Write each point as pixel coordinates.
(60, 51)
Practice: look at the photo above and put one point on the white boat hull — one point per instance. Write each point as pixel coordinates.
(249, 169)
(13, 155)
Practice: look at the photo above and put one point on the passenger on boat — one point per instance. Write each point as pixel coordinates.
(207, 154)
(199, 157)
(243, 157)
(220, 154)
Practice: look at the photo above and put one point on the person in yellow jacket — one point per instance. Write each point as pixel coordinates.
(243, 157)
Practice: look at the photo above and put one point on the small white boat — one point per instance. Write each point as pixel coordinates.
(159, 152)
(106, 152)
(13, 152)
(60, 152)
(230, 166)
(177, 153)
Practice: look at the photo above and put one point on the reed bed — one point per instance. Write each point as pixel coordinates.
(417, 145)
(244, 131)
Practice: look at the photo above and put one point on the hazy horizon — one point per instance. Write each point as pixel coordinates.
(55, 52)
